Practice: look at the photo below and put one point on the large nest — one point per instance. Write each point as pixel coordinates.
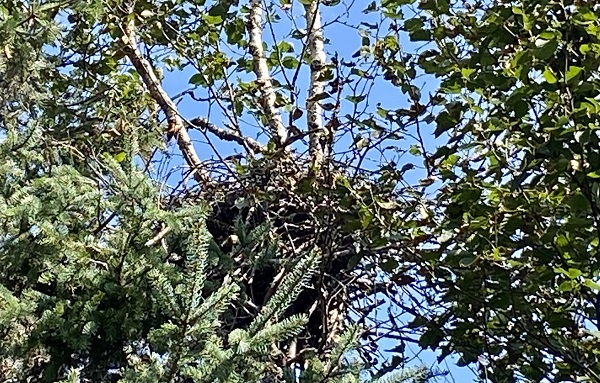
(294, 212)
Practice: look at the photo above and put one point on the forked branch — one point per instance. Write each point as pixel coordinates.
(226, 134)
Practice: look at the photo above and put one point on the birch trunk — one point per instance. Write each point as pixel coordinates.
(263, 78)
(320, 140)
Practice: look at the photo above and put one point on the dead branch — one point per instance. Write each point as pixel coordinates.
(175, 123)
(263, 78)
(226, 134)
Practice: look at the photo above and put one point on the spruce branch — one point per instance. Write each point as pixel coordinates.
(166, 104)
(287, 292)
(263, 78)
(409, 375)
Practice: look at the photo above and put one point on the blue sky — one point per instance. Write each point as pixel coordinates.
(345, 41)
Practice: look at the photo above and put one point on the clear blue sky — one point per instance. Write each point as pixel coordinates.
(345, 41)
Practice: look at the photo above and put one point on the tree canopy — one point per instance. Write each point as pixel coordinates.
(282, 214)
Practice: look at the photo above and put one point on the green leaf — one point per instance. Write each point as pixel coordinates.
(436, 6)
(549, 76)
(119, 157)
(444, 123)
(566, 286)
(591, 284)
(356, 99)
(467, 261)
(573, 73)
(289, 62)
(416, 30)
(354, 261)
(572, 273)
(389, 265)
(297, 113)
(415, 150)
(431, 338)
(197, 79)
(414, 24)
(467, 72)
(388, 205)
(546, 48)
(366, 216)
(319, 97)
(213, 19)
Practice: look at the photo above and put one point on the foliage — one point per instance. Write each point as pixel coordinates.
(84, 297)
(514, 250)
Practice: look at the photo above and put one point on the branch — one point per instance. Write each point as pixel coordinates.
(226, 134)
(321, 137)
(166, 104)
(158, 237)
(263, 78)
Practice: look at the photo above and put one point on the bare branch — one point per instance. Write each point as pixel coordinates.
(158, 237)
(321, 137)
(263, 78)
(226, 134)
(175, 123)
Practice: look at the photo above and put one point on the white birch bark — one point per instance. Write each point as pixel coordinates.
(263, 78)
(174, 120)
(319, 139)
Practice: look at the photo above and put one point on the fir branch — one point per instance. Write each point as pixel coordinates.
(287, 292)
(285, 329)
(414, 375)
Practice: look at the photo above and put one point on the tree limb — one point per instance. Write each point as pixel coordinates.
(158, 237)
(226, 134)
(263, 78)
(321, 137)
(175, 123)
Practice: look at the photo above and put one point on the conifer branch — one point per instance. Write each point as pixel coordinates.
(263, 78)
(318, 146)
(175, 122)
